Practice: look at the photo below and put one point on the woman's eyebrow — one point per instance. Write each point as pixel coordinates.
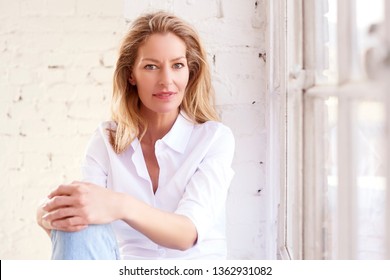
(158, 61)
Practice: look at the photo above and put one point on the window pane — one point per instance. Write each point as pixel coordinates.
(370, 36)
(331, 179)
(371, 179)
(326, 49)
(294, 179)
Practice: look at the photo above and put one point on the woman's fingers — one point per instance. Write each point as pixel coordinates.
(65, 190)
(60, 214)
(69, 224)
(62, 219)
(74, 194)
(58, 202)
(73, 228)
(45, 224)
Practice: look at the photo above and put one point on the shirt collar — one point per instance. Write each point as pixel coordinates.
(179, 135)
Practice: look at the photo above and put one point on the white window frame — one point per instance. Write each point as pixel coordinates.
(283, 174)
(276, 129)
(387, 86)
(347, 92)
(294, 153)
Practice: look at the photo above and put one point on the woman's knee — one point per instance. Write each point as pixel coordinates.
(93, 242)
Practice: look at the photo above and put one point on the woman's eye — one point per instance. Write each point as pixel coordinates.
(150, 67)
(178, 65)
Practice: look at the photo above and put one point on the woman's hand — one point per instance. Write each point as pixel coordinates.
(73, 207)
(40, 213)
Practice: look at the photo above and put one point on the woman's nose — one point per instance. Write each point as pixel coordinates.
(166, 76)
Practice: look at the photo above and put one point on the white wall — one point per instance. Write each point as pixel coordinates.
(56, 65)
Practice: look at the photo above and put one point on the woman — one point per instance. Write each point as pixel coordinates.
(155, 178)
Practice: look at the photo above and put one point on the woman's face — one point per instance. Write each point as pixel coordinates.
(161, 73)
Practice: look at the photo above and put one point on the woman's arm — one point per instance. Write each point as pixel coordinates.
(164, 228)
(72, 207)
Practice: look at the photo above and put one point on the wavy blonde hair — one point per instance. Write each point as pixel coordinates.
(198, 102)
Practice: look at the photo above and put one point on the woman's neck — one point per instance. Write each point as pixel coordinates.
(158, 125)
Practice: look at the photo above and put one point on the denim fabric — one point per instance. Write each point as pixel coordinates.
(96, 242)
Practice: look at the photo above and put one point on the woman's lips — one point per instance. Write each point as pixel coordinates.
(164, 94)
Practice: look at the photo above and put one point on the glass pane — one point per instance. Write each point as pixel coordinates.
(370, 38)
(370, 154)
(331, 179)
(326, 43)
(294, 181)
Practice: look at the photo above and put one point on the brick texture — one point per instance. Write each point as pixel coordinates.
(57, 59)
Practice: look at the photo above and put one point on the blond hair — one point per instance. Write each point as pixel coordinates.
(198, 102)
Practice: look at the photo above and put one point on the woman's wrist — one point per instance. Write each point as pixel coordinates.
(124, 205)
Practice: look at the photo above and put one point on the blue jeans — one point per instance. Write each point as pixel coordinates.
(96, 242)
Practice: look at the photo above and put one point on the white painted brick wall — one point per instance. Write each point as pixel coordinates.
(56, 64)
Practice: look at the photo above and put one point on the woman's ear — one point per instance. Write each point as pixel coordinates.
(132, 80)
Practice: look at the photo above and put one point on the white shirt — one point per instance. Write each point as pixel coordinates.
(195, 174)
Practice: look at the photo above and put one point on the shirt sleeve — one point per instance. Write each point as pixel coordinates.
(95, 163)
(205, 196)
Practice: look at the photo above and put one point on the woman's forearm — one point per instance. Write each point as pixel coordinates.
(73, 207)
(166, 229)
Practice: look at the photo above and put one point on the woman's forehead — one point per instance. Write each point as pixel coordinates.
(163, 43)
